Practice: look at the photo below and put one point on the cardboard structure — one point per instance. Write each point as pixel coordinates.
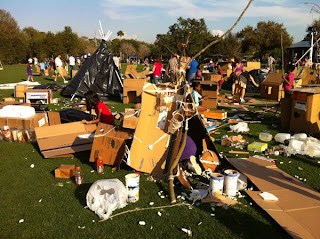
(38, 96)
(211, 77)
(132, 89)
(130, 118)
(272, 87)
(131, 72)
(298, 207)
(37, 120)
(252, 65)
(307, 76)
(305, 110)
(210, 89)
(64, 139)
(109, 144)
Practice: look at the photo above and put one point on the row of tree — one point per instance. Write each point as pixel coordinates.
(186, 36)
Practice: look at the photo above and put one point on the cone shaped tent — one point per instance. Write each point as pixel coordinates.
(99, 74)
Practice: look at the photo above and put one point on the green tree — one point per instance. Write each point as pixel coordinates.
(179, 32)
(71, 43)
(230, 46)
(265, 38)
(12, 46)
(120, 34)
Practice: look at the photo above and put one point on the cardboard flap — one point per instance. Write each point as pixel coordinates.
(69, 128)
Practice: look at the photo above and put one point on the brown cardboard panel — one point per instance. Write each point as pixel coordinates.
(73, 73)
(53, 118)
(273, 78)
(210, 103)
(9, 99)
(19, 90)
(130, 119)
(298, 223)
(3, 103)
(295, 198)
(149, 148)
(64, 138)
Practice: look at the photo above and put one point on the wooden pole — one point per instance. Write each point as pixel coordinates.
(282, 54)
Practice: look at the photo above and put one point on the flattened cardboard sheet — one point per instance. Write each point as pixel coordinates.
(298, 207)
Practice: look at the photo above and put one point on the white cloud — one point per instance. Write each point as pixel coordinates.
(217, 32)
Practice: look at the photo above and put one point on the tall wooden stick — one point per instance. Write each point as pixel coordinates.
(282, 55)
(220, 38)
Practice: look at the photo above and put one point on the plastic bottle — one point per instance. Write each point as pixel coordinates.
(78, 177)
(281, 137)
(264, 136)
(100, 166)
(7, 135)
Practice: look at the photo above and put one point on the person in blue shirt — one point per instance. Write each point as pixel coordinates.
(197, 97)
(42, 68)
(192, 71)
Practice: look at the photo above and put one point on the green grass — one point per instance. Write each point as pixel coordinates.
(61, 211)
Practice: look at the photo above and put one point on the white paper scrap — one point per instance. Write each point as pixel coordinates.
(268, 196)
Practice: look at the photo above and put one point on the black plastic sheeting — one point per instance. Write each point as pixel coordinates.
(99, 74)
(73, 115)
(258, 75)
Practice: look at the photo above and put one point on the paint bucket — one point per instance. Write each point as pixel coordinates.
(242, 182)
(132, 185)
(230, 182)
(216, 183)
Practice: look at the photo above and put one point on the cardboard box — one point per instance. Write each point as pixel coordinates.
(3, 103)
(272, 88)
(132, 90)
(130, 119)
(19, 90)
(65, 171)
(34, 96)
(257, 146)
(37, 120)
(109, 144)
(65, 138)
(53, 118)
(215, 114)
(211, 77)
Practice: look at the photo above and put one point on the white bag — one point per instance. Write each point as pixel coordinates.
(105, 196)
(240, 127)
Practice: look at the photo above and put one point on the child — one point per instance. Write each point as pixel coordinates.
(197, 98)
(29, 72)
(199, 73)
(288, 79)
(103, 113)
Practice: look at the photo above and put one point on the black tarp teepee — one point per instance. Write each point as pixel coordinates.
(99, 74)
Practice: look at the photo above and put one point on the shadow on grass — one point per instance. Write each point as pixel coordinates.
(81, 193)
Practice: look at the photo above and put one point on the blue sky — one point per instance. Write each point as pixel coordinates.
(144, 19)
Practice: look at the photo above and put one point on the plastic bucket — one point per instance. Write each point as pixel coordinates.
(132, 185)
(230, 182)
(216, 183)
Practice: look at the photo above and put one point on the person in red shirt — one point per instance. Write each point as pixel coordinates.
(103, 113)
(157, 71)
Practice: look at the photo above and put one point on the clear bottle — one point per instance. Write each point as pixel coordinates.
(7, 135)
(100, 166)
(265, 136)
(78, 177)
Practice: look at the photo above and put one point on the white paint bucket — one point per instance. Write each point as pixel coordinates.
(132, 185)
(242, 182)
(230, 182)
(216, 183)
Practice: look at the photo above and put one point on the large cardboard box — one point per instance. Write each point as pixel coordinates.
(19, 90)
(271, 88)
(130, 119)
(63, 139)
(4, 103)
(211, 77)
(37, 120)
(36, 96)
(305, 110)
(109, 144)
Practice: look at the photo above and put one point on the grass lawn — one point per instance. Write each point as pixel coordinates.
(55, 208)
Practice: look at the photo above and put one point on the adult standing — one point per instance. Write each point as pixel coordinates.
(236, 72)
(295, 59)
(271, 62)
(157, 68)
(72, 62)
(173, 68)
(192, 71)
(58, 64)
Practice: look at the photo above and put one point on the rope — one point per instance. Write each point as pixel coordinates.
(208, 162)
(147, 208)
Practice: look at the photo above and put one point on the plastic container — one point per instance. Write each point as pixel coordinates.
(132, 185)
(230, 182)
(281, 137)
(1, 135)
(301, 136)
(266, 137)
(78, 176)
(7, 135)
(100, 166)
(216, 183)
